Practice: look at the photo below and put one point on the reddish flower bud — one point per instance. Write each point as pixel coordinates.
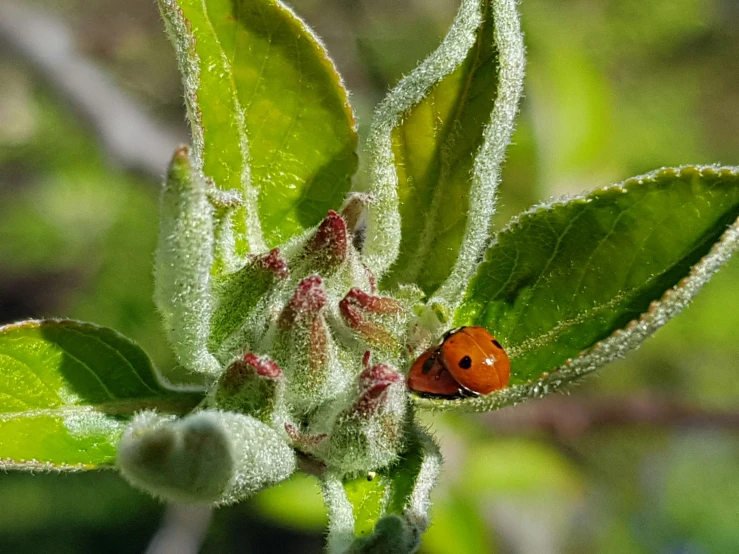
(251, 385)
(309, 298)
(304, 441)
(373, 382)
(358, 308)
(381, 305)
(263, 366)
(371, 400)
(328, 246)
(274, 262)
(377, 374)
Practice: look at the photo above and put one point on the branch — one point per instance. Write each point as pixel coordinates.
(129, 134)
(182, 531)
(569, 417)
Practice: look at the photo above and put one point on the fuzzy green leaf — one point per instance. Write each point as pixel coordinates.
(612, 266)
(66, 389)
(438, 140)
(391, 508)
(270, 117)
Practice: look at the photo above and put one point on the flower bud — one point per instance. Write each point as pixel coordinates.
(328, 248)
(254, 386)
(377, 319)
(305, 442)
(306, 350)
(237, 294)
(207, 457)
(368, 435)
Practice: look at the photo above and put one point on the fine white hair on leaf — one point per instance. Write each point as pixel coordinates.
(184, 257)
(418, 505)
(340, 514)
(617, 345)
(208, 457)
(189, 63)
(382, 240)
(496, 138)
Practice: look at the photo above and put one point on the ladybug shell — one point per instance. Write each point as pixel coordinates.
(428, 376)
(475, 359)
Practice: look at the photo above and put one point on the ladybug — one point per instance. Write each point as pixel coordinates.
(469, 360)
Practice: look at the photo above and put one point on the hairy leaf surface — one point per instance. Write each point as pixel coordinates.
(401, 490)
(66, 391)
(612, 266)
(270, 116)
(439, 139)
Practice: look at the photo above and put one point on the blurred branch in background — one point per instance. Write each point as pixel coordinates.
(567, 417)
(131, 136)
(182, 531)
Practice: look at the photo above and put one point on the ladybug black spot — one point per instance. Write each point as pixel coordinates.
(465, 363)
(496, 343)
(428, 365)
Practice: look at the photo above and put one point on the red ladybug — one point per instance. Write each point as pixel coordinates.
(469, 359)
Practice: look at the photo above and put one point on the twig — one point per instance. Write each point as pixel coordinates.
(568, 417)
(129, 134)
(182, 531)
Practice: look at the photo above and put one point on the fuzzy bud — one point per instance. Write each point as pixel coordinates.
(305, 442)
(253, 385)
(376, 318)
(305, 348)
(237, 295)
(368, 434)
(328, 248)
(207, 457)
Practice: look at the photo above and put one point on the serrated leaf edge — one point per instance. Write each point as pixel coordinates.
(34, 466)
(679, 172)
(622, 341)
(65, 322)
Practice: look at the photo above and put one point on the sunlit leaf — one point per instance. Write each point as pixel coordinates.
(396, 498)
(435, 147)
(612, 266)
(269, 113)
(67, 389)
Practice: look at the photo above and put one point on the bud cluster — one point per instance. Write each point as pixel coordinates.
(297, 342)
(298, 349)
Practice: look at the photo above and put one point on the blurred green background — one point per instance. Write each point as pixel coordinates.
(642, 458)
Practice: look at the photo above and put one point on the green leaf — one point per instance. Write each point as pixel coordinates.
(270, 117)
(279, 503)
(435, 147)
(400, 492)
(368, 497)
(612, 266)
(66, 391)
